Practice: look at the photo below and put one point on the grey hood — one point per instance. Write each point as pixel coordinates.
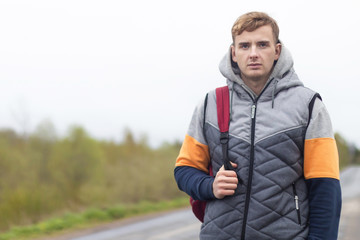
(283, 73)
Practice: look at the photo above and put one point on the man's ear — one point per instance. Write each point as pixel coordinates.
(277, 51)
(233, 56)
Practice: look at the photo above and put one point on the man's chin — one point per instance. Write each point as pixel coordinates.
(255, 77)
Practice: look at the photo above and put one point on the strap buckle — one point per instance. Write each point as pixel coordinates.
(224, 138)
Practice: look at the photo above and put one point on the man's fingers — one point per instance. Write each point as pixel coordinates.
(224, 193)
(225, 182)
(233, 164)
(227, 177)
(226, 173)
(228, 186)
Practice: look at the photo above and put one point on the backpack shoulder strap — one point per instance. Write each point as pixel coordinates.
(223, 115)
(223, 108)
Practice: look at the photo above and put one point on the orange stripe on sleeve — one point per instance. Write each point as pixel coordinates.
(193, 154)
(321, 159)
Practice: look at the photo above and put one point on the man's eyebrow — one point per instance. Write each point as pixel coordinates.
(247, 42)
(242, 43)
(263, 41)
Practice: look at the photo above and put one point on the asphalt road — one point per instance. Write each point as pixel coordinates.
(182, 225)
(350, 213)
(177, 225)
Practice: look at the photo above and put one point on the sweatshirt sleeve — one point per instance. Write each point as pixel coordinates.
(195, 183)
(192, 164)
(194, 151)
(321, 171)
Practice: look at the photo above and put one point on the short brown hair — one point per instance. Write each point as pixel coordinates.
(253, 20)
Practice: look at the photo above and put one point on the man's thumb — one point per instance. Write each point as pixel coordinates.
(222, 168)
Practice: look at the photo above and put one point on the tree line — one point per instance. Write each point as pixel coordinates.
(42, 175)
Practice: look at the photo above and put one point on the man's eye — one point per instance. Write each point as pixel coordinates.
(244, 46)
(263, 44)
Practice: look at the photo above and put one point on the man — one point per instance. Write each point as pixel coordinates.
(282, 150)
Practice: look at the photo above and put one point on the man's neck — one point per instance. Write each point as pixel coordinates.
(256, 85)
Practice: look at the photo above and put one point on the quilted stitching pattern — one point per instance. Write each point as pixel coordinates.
(272, 199)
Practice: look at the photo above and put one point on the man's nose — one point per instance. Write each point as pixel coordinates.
(253, 52)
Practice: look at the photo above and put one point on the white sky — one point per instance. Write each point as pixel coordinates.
(107, 65)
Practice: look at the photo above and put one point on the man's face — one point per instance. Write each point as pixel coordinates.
(255, 53)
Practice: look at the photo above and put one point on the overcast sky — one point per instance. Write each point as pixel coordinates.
(144, 65)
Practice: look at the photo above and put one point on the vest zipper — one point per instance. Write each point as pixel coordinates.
(251, 166)
(296, 198)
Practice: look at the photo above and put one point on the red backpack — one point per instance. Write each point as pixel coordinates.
(223, 116)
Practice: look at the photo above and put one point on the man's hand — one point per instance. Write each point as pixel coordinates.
(225, 182)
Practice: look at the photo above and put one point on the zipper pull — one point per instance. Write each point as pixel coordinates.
(296, 202)
(253, 107)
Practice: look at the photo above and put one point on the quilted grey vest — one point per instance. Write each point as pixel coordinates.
(266, 141)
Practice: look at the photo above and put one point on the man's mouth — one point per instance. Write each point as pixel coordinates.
(254, 65)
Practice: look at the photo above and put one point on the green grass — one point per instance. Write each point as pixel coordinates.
(89, 218)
